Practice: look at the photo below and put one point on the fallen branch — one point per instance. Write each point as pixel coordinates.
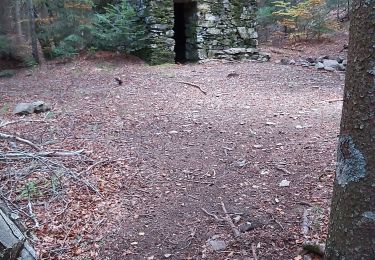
(305, 223)
(211, 215)
(7, 123)
(193, 85)
(20, 155)
(19, 139)
(254, 251)
(283, 170)
(94, 165)
(235, 231)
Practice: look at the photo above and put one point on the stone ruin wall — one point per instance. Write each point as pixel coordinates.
(223, 29)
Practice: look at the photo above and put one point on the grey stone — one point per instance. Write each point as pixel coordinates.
(245, 227)
(264, 56)
(285, 61)
(344, 62)
(331, 64)
(233, 51)
(40, 107)
(292, 62)
(243, 33)
(214, 31)
(319, 66)
(321, 58)
(329, 68)
(340, 59)
(341, 67)
(160, 27)
(216, 244)
(23, 109)
(252, 50)
(29, 108)
(310, 60)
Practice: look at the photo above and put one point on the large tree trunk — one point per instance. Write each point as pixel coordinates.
(34, 40)
(352, 221)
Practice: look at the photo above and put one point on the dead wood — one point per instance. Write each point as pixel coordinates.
(4, 123)
(211, 215)
(21, 155)
(254, 251)
(19, 139)
(193, 85)
(235, 231)
(305, 223)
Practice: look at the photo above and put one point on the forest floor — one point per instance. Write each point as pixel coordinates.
(165, 157)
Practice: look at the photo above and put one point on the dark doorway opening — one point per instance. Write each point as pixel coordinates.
(185, 19)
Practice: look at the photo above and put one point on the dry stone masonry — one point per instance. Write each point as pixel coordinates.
(185, 30)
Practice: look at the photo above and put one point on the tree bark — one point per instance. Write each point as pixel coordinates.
(17, 11)
(351, 232)
(34, 40)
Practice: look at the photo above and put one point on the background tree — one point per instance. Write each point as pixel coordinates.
(352, 221)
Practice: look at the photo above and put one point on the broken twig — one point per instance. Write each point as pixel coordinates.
(211, 215)
(193, 85)
(235, 231)
(19, 139)
(254, 251)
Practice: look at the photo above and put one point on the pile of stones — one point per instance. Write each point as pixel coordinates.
(322, 63)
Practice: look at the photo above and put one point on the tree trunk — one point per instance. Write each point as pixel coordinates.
(34, 40)
(17, 10)
(352, 222)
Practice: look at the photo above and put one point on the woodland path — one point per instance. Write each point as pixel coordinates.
(258, 124)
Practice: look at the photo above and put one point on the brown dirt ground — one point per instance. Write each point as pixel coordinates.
(176, 151)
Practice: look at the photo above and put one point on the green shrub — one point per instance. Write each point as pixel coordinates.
(7, 73)
(69, 46)
(119, 29)
(66, 31)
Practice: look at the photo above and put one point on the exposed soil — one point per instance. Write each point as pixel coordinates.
(176, 151)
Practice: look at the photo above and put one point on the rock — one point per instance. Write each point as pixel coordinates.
(245, 227)
(339, 59)
(243, 33)
(319, 66)
(263, 56)
(252, 50)
(344, 62)
(310, 60)
(307, 257)
(331, 64)
(23, 109)
(216, 244)
(341, 67)
(284, 183)
(329, 69)
(236, 219)
(285, 61)
(292, 62)
(233, 51)
(40, 107)
(321, 58)
(29, 108)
